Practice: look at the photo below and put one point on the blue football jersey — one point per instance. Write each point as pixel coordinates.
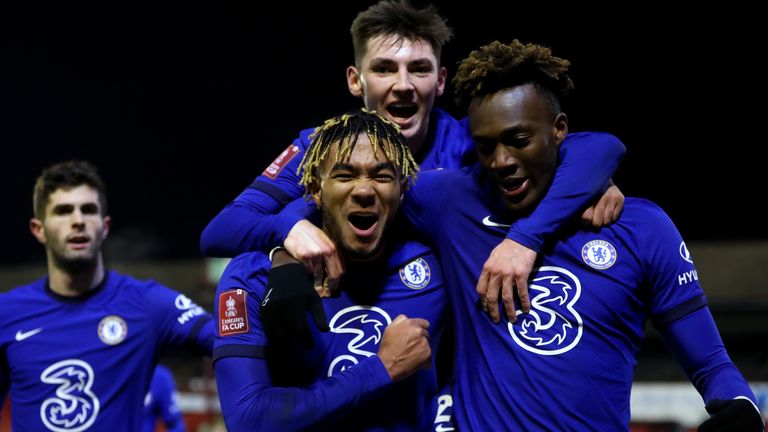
(85, 363)
(162, 403)
(370, 297)
(568, 364)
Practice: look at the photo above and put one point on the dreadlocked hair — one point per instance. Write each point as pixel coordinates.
(344, 129)
(499, 66)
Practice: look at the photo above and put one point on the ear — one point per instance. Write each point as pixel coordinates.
(37, 229)
(106, 227)
(560, 128)
(404, 184)
(317, 195)
(354, 81)
(442, 76)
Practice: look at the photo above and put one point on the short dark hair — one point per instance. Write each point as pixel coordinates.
(499, 66)
(344, 129)
(398, 17)
(66, 175)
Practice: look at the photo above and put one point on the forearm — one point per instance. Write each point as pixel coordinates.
(587, 163)
(252, 222)
(250, 402)
(704, 357)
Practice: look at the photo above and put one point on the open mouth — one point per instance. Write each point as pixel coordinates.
(402, 111)
(512, 184)
(363, 224)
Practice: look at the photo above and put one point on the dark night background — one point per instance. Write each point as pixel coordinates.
(182, 104)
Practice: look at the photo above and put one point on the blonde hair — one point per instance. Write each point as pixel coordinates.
(384, 135)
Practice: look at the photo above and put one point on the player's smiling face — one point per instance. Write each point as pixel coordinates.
(399, 78)
(73, 227)
(517, 137)
(359, 197)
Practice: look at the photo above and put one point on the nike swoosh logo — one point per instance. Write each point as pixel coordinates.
(20, 335)
(488, 222)
(266, 297)
(443, 428)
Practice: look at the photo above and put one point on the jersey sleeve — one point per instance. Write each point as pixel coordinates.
(587, 162)
(250, 402)
(679, 312)
(179, 320)
(669, 270)
(253, 221)
(695, 342)
(236, 308)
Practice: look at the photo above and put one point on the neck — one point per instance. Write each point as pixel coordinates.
(416, 142)
(373, 258)
(73, 283)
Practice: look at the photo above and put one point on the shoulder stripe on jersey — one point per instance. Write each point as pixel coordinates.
(272, 190)
(197, 326)
(666, 318)
(256, 351)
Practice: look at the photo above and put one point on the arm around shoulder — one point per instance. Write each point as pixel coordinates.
(252, 221)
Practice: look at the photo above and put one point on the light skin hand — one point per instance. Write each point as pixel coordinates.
(607, 209)
(311, 246)
(405, 347)
(508, 267)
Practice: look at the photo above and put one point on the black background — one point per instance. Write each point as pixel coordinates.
(182, 104)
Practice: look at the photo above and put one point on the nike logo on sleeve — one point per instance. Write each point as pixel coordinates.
(488, 222)
(21, 335)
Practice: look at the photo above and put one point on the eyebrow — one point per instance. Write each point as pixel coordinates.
(87, 206)
(422, 62)
(508, 133)
(349, 167)
(378, 61)
(62, 207)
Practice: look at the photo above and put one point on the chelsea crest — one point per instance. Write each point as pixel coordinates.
(415, 274)
(599, 254)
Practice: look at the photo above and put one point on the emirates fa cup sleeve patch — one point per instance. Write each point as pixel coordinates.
(416, 274)
(233, 313)
(281, 161)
